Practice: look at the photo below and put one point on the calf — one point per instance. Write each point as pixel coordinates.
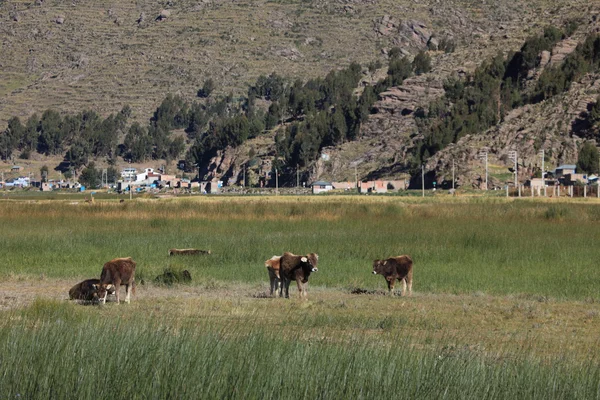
(117, 272)
(187, 252)
(273, 265)
(400, 268)
(296, 268)
(87, 290)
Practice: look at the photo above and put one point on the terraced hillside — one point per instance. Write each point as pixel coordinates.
(72, 55)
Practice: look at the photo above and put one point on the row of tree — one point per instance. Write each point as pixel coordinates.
(319, 112)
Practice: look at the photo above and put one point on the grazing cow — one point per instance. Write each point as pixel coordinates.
(87, 290)
(272, 265)
(187, 252)
(117, 272)
(296, 268)
(400, 268)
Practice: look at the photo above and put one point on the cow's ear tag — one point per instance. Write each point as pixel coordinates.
(304, 259)
(385, 262)
(109, 286)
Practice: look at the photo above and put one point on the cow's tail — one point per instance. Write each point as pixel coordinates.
(133, 285)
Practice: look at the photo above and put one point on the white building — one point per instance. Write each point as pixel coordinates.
(128, 174)
(321, 187)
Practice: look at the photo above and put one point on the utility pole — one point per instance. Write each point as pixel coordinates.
(484, 155)
(513, 156)
(543, 180)
(423, 179)
(104, 177)
(276, 182)
(244, 182)
(355, 177)
(297, 177)
(453, 174)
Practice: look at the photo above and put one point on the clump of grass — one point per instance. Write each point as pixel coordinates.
(172, 275)
(557, 212)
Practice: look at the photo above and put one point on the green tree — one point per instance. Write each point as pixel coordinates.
(44, 173)
(594, 115)
(112, 175)
(50, 140)
(90, 177)
(587, 160)
(207, 88)
(421, 63)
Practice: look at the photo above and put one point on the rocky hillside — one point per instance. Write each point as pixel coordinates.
(103, 54)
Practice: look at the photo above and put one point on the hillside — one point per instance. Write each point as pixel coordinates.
(103, 55)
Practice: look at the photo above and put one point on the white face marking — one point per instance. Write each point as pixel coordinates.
(304, 259)
(314, 270)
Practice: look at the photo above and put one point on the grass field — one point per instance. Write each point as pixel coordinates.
(505, 302)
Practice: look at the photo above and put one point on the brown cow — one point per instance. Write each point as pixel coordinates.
(400, 268)
(117, 272)
(296, 268)
(272, 265)
(187, 252)
(87, 291)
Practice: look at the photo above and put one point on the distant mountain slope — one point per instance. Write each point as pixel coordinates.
(80, 54)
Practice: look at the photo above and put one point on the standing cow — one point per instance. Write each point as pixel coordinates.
(296, 268)
(400, 268)
(117, 272)
(273, 265)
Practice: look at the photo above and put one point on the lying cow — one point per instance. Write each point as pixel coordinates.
(117, 272)
(400, 268)
(87, 291)
(272, 265)
(296, 268)
(187, 252)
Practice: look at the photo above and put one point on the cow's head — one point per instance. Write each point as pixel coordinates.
(378, 266)
(102, 289)
(311, 260)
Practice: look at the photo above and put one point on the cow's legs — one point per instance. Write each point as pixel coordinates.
(301, 289)
(103, 299)
(409, 282)
(117, 283)
(390, 283)
(403, 292)
(128, 288)
(275, 283)
(287, 288)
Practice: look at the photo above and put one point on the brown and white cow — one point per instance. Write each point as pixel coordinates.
(187, 252)
(400, 268)
(117, 272)
(273, 265)
(87, 291)
(298, 268)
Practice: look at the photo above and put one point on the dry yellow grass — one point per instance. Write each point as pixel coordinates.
(493, 326)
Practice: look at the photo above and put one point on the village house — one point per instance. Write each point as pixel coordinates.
(343, 185)
(129, 174)
(321, 187)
